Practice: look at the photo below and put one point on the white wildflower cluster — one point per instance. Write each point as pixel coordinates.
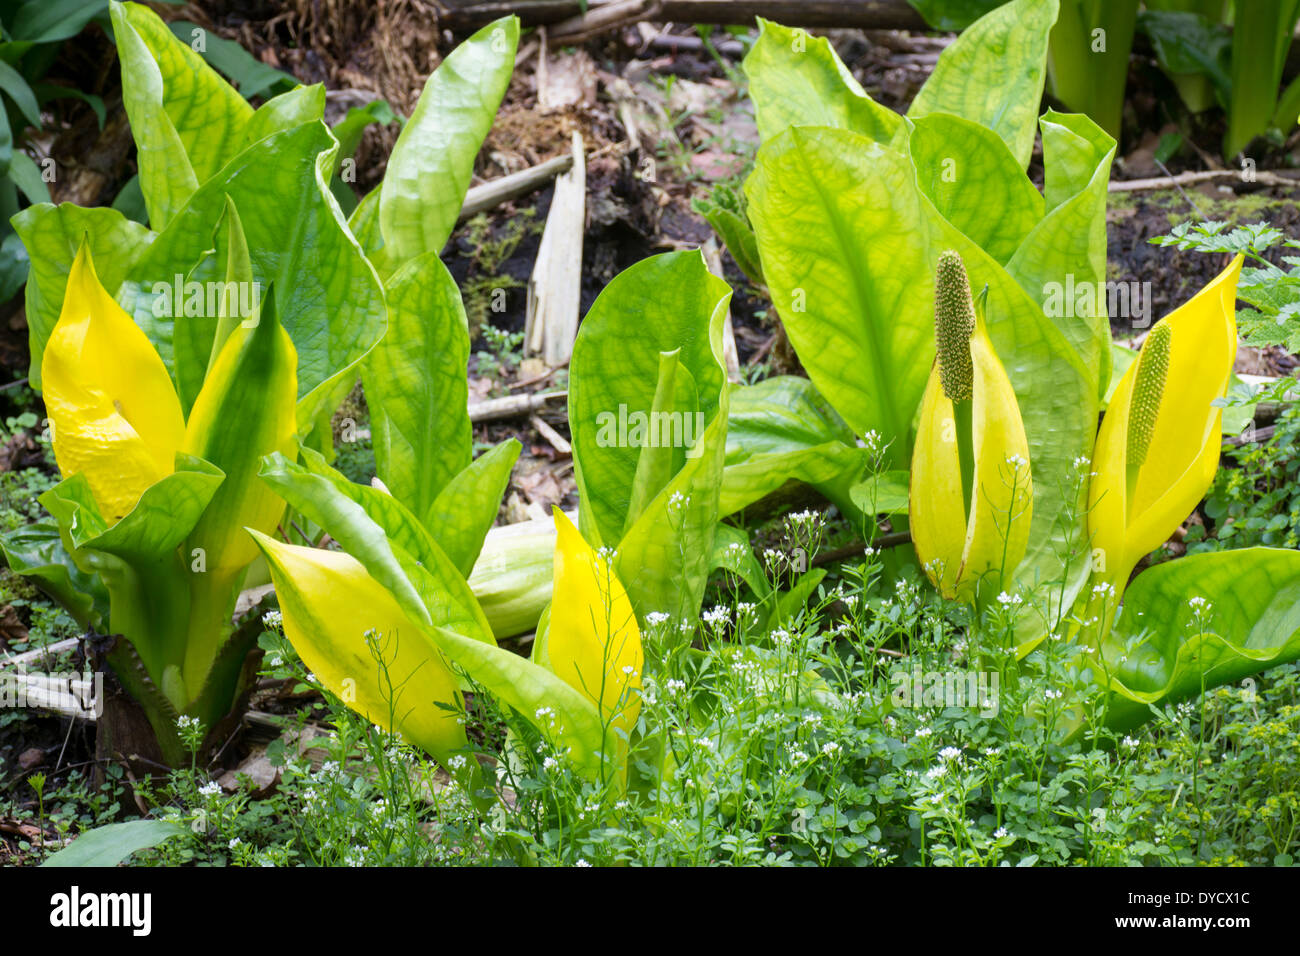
(1001, 833)
(678, 501)
(922, 732)
(716, 616)
(1052, 694)
(951, 753)
(870, 441)
(937, 772)
(273, 620)
(1017, 461)
(210, 789)
(830, 749)
(545, 715)
(1200, 606)
(184, 723)
(1010, 600)
(675, 687)
(1129, 743)
(656, 618)
(1105, 590)
(781, 639)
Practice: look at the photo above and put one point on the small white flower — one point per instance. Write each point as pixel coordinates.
(923, 732)
(1010, 600)
(937, 772)
(273, 620)
(550, 763)
(655, 618)
(675, 686)
(581, 863)
(1000, 832)
(234, 842)
(950, 753)
(1130, 743)
(1052, 694)
(830, 749)
(210, 789)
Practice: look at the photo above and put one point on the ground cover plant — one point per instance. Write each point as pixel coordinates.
(1022, 614)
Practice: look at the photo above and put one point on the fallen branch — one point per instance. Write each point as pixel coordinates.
(558, 441)
(864, 14)
(602, 19)
(511, 405)
(492, 194)
(1262, 177)
(857, 548)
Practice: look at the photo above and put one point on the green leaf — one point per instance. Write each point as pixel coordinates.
(432, 161)
(327, 295)
(14, 266)
(736, 234)
(349, 129)
(993, 74)
(160, 521)
(181, 145)
(952, 15)
(385, 537)
(1156, 654)
(466, 508)
(1070, 241)
(1261, 35)
(732, 552)
(251, 75)
(36, 551)
(416, 386)
(797, 80)
(563, 715)
(859, 314)
(48, 21)
(112, 843)
(15, 85)
(27, 177)
(662, 304)
(52, 235)
(783, 430)
(1087, 76)
(305, 104)
(960, 166)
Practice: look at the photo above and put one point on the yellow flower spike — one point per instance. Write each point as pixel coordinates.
(1139, 497)
(970, 522)
(330, 603)
(113, 409)
(593, 642)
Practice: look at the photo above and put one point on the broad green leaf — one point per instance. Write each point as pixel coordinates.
(327, 295)
(1065, 253)
(432, 161)
(304, 104)
(159, 522)
(798, 80)
(960, 167)
(662, 304)
(465, 509)
(52, 235)
(36, 551)
(886, 493)
(1157, 654)
(782, 430)
(561, 714)
(859, 313)
(993, 74)
(112, 843)
(180, 147)
(416, 386)
(385, 537)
